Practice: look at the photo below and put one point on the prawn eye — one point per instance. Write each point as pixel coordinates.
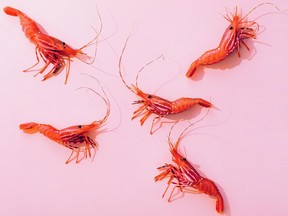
(149, 96)
(183, 159)
(63, 43)
(231, 27)
(79, 126)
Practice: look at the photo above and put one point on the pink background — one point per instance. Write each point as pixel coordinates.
(245, 152)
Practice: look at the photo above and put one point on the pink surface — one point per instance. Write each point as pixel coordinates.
(245, 152)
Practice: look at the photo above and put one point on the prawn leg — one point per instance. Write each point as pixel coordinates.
(190, 190)
(54, 71)
(43, 69)
(172, 192)
(83, 157)
(154, 122)
(37, 57)
(168, 185)
(147, 114)
(69, 158)
(245, 45)
(88, 143)
(67, 70)
(139, 111)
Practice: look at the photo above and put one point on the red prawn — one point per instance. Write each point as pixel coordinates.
(75, 137)
(52, 50)
(188, 179)
(155, 104)
(238, 30)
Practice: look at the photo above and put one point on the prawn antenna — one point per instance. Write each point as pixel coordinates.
(105, 99)
(113, 33)
(170, 131)
(95, 39)
(149, 63)
(261, 4)
(185, 131)
(120, 62)
(108, 104)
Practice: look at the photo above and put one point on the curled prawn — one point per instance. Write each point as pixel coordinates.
(52, 50)
(154, 104)
(187, 177)
(74, 137)
(238, 30)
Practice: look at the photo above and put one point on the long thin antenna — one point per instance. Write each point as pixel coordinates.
(259, 5)
(105, 99)
(120, 62)
(161, 56)
(185, 131)
(97, 35)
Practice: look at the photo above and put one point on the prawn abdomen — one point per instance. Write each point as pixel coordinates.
(209, 57)
(208, 187)
(29, 26)
(213, 56)
(183, 104)
(45, 129)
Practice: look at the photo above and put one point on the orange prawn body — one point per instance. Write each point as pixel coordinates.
(208, 187)
(162, 107)
(52, 50)
(152, 104)
(75, 137)
(235, 34)
(188, 178)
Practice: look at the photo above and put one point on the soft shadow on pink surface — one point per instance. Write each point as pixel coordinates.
(231, 61)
